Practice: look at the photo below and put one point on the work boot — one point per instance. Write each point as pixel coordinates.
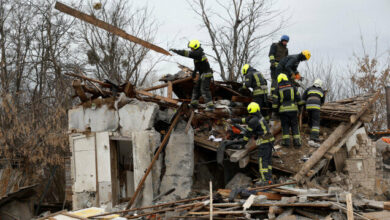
(194, 104)
(297, 143)
(263, 183)
(286, 142)
(314, 137)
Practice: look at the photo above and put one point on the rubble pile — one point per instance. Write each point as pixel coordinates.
(131, 132)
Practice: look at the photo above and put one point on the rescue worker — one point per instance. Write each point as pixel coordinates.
(255, 80)
(289, 65)
(286, 102)
(314, 97)
(202, 74)
(277, 52)
(258, 128)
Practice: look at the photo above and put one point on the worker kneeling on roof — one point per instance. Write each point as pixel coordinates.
(255, 80)
(202, 74)
(314, 97)
(258, 128)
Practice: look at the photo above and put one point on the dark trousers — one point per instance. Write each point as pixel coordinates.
(290, 120)
(264, 105)
(274, 78)
(314, 123)
(202, 87)
(265, 160)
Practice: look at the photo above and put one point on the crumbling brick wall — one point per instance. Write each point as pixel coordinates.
(361, 164)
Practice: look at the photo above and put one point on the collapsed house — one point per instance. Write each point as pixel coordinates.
(119, 133)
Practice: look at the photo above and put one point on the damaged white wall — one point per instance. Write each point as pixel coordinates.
(92, 167)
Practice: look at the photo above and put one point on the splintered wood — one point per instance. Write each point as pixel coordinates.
(342, 110)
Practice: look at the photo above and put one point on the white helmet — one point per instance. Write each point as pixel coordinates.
(317, 83)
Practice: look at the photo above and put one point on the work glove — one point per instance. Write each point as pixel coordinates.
(272, 63)
(229, 121)
(173, 50)
(241, 90)
(274, 116)
(195, 77)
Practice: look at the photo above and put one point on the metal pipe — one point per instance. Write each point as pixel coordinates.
(387, 88)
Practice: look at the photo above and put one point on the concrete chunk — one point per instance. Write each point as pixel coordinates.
(179, 163)
(239, 180)
(137, 116)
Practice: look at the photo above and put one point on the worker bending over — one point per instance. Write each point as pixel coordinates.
(289, 65)
(255, 80)
(258, 128)
(314, 97)
(202, 74)
(286, 102)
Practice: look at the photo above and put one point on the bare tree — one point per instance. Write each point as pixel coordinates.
(238, 33)
(113, 57)
(370, 73)
(336, 85)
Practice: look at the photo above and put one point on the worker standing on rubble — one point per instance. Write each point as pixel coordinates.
(202, 74)
(258, 128)
(255, 80)
(289, 65)
(314, 97)
(277, 52)
(286, 102)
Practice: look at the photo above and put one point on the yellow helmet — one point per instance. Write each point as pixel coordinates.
(245, 68)
(282, 77)
(307, 54)
(253, 107)
(194, 44)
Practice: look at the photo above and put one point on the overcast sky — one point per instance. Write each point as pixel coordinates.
(330, 29)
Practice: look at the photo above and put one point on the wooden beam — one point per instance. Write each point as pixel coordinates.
(349, 206)
(336, 148)
(153, 206)
(228, 212)
(211, 200)
(189, 121)
(241, 99)
(107, 85)
(108, 27)
(169, 90)
(240, 154)
(166, 84)
(244, 161)
(163, 143)
(157, 97)
(79, 90)
(367, 105)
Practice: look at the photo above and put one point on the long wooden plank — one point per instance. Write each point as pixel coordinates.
(349, 206)
(163, 143)
(354, 118)
(107, 85)
(153, 206)
(157, 97)
(170, 90)
(108, 27)
(166, 84)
